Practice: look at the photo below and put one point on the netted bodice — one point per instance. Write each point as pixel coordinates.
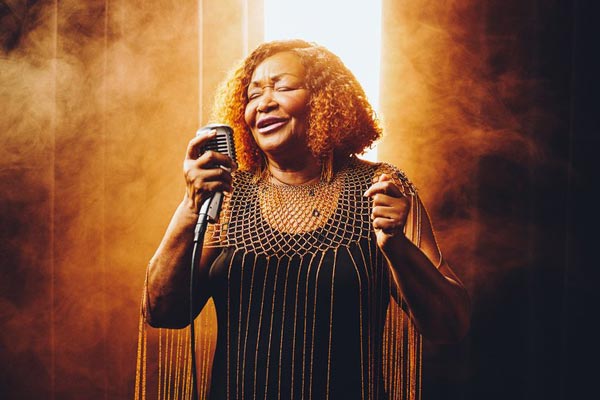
(277, 219)
(302, 291)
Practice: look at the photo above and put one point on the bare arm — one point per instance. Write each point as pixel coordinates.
(168, 280)
(438, 303)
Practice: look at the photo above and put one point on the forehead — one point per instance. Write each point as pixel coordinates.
(277, 65)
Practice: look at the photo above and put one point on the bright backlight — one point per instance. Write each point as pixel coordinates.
(351, 29)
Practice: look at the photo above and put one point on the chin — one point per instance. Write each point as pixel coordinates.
(272, 142)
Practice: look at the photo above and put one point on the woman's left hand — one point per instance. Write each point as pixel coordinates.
(390, 209)
(438, 303)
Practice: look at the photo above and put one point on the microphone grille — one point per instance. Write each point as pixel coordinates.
(223, 141)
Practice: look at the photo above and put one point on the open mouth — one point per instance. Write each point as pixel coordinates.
(269, 124)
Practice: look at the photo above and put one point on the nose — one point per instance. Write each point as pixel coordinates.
(266, 102)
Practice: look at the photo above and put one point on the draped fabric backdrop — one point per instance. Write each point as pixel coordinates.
(488, 106)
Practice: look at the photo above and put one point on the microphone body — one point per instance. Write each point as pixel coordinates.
(222, 143)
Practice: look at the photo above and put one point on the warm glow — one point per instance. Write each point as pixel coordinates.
(351, 29)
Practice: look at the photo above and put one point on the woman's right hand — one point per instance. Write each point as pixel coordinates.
(205, 173)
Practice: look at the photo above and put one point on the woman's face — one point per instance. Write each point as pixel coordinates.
(277, 106)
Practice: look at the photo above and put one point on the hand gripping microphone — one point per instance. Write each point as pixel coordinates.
(222, 143)
(209, 212)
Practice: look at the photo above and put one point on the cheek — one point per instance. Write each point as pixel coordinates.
(249, 115)
(298, 108)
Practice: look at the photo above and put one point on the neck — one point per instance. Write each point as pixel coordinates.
(298, 174)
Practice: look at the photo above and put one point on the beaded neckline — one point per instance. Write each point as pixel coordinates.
(299, 208)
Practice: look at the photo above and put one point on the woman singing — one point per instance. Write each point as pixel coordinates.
(323, 268)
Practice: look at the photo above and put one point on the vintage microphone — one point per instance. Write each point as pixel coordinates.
(209, 212)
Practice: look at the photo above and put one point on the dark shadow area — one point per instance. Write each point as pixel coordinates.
(531, 335)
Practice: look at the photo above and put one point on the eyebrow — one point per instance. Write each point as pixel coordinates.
(273, 78)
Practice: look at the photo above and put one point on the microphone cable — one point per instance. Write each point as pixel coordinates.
(196, 255)
(222, 143)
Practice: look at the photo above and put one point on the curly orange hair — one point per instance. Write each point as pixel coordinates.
(341, 122)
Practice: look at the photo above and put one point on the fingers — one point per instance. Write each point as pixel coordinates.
(209, 180)
(390, 206)
(388, 226)
(385, 186)
(208, 159)
(194, 145)
(387, 211)
(390, 219)
(201, 183)
(208, 172)
(396, 210)
(213, 159)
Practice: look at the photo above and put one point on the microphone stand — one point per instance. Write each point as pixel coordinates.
(196, 254)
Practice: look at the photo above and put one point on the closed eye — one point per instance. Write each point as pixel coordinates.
(253, 95)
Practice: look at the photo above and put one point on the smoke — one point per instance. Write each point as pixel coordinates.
(99, 100)
(475, 107)
(470, 116)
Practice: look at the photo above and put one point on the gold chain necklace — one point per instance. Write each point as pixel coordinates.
(299, 208)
